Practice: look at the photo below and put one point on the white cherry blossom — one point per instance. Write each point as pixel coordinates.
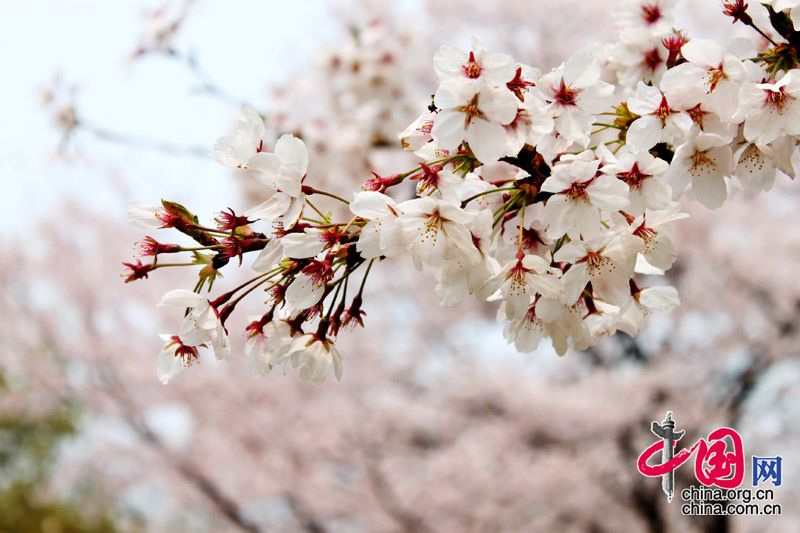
(709, 77)
(579, 196)
(654, 229)
(315, 359)
(644, 175)
(756, 166)
(607, 263)
(706, 160)
(202, 324)
(522, 279)
(574, 93)
(449, 62)
(474, 116)
(238, 149)
(268, 347)
(644, 302)
(658, 121)
(433, 228)
(771, 109)
(382, 234)
(282, 172)
(173, 358)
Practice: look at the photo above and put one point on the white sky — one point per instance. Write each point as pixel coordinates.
(244, 45)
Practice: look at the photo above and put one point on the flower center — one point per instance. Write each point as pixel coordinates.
(663, 110)
(187, 354)
(777, 100)
(644, 233)
(577, 191)
(472, 69)
(652, 60)
(532, 239)
(634, 177)
(430, 230)
(596, 261)
(471, 109)
(701, 164)
(697, 114)
(517, 277)
(651, 13)
(566, 96)
(715, 76)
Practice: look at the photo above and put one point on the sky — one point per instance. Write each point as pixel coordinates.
(243, 45)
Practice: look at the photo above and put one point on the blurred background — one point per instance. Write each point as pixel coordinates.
(438, 425)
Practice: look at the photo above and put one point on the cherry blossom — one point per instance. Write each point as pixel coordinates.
(478, 64)
(283, 172)
(708, 77)
(771, 109)
(381, 235)
(644, 175)
(476, 117)
(658, 123)
(579, 196)
(315, 358)
(239, 149)
(433, 228)
(607, 263)
(202, 324)
(704, 159)
(574, 93)
(522, 279)
(549, 194)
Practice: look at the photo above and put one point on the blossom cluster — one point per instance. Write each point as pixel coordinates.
(553, 193)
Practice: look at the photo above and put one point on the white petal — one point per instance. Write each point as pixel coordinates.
(269, 256)
(607, 192)
(369, 240)
(276, 206)
(292, 153)
(449, 61)
(645, 132)
(498, 105)
(302, 245)
(370, 205)
(236, 149)
(303, 293)
(646, 99)
(487, 140)
(265, 167)
(144, 216)
(168, 367)
(710, 190)
(181, 298)
(448, 129)
(663, 299)
(703, 52)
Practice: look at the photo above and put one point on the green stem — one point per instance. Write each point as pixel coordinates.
(484, 193)
(324, 217)
(330, 195)
(364, 279)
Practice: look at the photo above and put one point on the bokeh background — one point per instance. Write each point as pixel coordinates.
(438, 425)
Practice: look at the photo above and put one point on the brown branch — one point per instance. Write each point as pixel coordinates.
(224, 505)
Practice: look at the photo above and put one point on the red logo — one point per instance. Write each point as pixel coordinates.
(719, 459)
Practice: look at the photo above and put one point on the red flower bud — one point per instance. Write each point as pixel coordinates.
(137, 271)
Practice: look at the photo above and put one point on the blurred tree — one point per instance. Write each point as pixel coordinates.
(27, 450)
